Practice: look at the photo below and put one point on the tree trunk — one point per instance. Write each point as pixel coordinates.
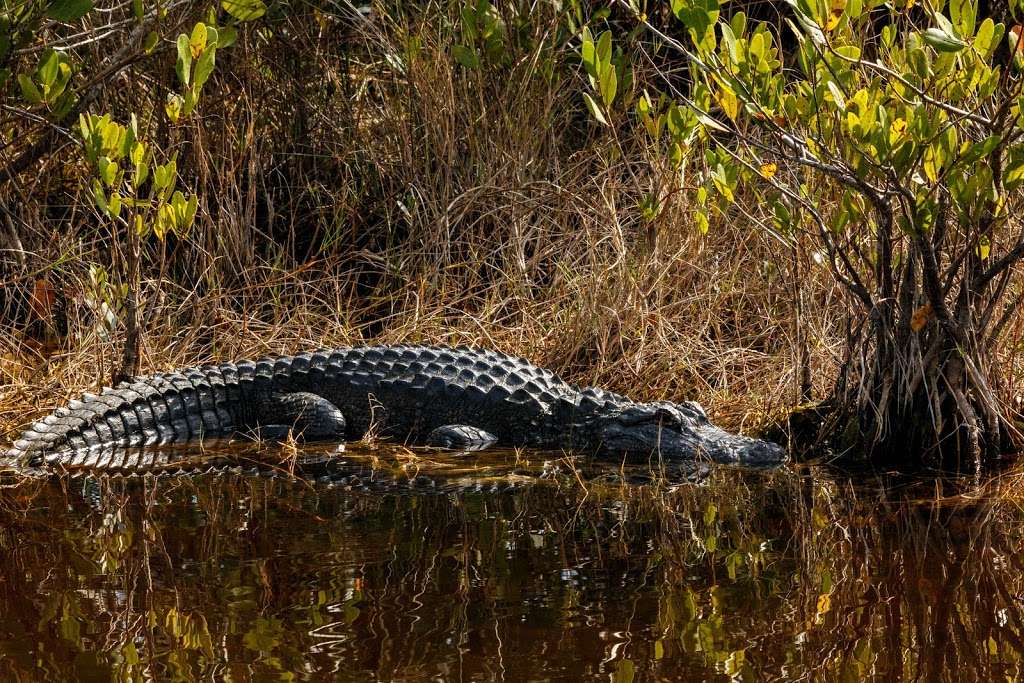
(129, 366)
(917, 384)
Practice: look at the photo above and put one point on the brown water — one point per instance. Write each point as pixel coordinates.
(493, 569)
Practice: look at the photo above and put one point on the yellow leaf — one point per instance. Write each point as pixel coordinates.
(835, 14)
(984, 247)
(921, 317)
(197, 43)
(729, 102)
(824, 603)
(768, 169)
(932, 165)
(897, 130)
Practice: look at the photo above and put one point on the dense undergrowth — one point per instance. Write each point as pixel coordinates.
(356, 182)
(189, 181)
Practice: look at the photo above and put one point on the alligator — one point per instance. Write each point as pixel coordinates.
(454, 398)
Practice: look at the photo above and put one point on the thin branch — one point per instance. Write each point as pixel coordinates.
(129, 53)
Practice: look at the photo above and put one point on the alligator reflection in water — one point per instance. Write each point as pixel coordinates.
(759, 575)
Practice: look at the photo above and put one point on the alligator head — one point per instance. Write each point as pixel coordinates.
(679, 431)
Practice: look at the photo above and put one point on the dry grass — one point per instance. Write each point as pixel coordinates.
(350, 193)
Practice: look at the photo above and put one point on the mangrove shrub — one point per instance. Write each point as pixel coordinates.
(890, 134)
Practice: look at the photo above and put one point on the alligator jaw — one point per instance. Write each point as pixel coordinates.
(676, 432)
(721, 446)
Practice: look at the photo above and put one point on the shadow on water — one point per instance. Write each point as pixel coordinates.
(495, 567)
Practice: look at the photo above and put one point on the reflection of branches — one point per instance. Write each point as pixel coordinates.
(752, 574)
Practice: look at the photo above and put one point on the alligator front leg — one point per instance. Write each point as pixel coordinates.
(461, 438)
(300, 414)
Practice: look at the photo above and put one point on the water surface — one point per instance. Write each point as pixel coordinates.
(498, 567)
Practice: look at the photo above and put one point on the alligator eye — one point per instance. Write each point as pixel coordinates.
(668, 418)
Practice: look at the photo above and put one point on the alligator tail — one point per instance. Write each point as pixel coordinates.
(98, 430)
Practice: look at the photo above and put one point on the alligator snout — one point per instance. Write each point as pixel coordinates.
(743, 450)
(682, 432)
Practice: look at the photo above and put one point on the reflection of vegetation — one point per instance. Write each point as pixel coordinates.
(749, 576)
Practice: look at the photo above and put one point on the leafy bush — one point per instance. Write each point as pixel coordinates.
(892, 138)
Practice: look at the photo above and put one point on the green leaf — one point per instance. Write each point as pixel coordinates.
(1014, 176)
(164, 176)
(244, 10)
(204, 67)
(963, 13)
(468, 15)
(141, 174)
(190, 213)
(126, 141)
(191, 99)
(920, 62)
(588, 52)
(85, 125)
(728, 101)
(942, 41)
(226, 36)
(149, 44)
(99, 196)
(160, 175)
(681, 122)
(676, 155)
(738, 23)
(978, 150)
(988, 37)
(47, 71)
(710, 514)
(699, 17)
(609, 83)
(138, 152)
(68, 10)
(703, 224)
(172, 169)
(138, 10)
(164, 221)
(466, 56)
(837, 95)
(595, 109)
(604, 53)
(723, 189)
(184, 64)
(932, 162)
(107, 169)
(114, 205)
(29, 90)
(61, 81)
(178, 202)
(729, 38)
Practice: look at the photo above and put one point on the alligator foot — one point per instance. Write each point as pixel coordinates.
(460, 437)
(301, 414)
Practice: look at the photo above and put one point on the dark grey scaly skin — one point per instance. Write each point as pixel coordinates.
(448, 397)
